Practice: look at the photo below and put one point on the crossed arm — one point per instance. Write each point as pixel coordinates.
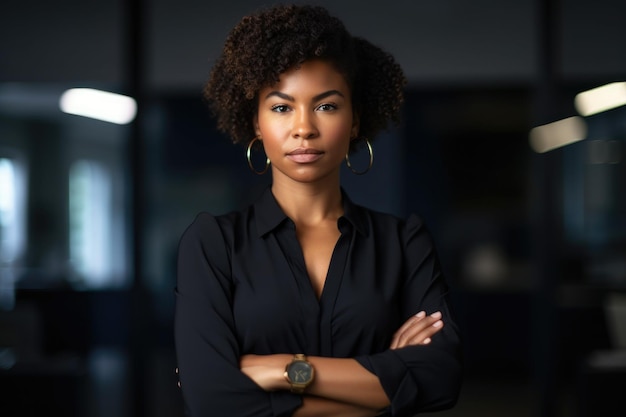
(342, 387)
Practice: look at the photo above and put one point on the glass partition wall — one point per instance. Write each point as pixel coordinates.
(65, 255)
(65, 196)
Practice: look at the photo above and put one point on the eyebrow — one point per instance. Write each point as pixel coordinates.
(316, 98)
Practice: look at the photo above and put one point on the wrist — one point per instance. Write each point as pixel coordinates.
(299, 373)
(266, 370)
(275, 371)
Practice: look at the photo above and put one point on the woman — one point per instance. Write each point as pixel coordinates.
(305, 304)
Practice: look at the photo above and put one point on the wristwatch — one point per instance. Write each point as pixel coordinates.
(299, 373)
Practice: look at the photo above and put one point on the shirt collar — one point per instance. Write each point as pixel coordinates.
(269, 215)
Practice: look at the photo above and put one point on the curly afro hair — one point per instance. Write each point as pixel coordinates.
(265, 44)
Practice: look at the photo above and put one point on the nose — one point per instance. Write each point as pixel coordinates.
(304, 126)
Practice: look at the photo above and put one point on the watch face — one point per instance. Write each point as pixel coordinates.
(299, 372)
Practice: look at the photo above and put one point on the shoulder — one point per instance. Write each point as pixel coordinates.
(203, 230)
(387, 221)
(407, 231)
(207, 240)
(206, 227)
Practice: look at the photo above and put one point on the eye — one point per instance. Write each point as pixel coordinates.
(280, 108)
(326, 107)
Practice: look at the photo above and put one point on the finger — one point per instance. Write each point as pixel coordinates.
(417, 323)
(411, 327)
(411, 321)
(422, 338)
(416, 330)
(406, 325)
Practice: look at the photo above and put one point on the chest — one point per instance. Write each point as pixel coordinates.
(317, 245)
(277, 304)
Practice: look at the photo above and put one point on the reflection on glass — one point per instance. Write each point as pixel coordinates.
(7, 210)
(46, 152)
(90, 222)
(11, 225)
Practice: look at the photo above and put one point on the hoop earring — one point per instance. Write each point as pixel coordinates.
(267, 160)
(371, 152)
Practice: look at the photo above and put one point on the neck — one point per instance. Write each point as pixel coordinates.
(309, 204)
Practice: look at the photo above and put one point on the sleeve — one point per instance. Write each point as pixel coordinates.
(207, 351)
(425, 377)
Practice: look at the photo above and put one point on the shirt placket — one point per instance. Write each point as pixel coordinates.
(307, 300)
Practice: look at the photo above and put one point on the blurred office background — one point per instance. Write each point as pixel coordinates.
(525, 193)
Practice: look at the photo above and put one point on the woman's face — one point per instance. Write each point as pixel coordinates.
(306, 122)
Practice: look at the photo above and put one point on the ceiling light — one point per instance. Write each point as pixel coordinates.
(601, 99)
(97, 104)
(554, 135)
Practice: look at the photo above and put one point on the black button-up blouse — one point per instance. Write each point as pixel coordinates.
(242, 287)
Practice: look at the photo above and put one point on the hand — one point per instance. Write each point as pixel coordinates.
(417, 330)
(267, 371)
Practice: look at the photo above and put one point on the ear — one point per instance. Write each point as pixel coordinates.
(354, 132)
(255, 124)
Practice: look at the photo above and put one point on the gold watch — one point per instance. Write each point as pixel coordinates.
(299, 373)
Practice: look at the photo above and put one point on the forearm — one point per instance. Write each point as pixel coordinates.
(322, 407)
(347, 381)
(339, 379)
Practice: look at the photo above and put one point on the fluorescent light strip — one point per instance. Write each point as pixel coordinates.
(601, 99)
(554, 135)
(100, 105)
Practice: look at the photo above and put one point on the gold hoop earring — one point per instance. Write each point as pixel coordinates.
(371, 153)
(267, 160)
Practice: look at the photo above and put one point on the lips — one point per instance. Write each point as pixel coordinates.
(304, 155)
